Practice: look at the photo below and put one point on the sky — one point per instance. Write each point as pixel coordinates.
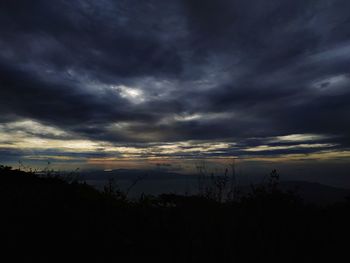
(145, 83)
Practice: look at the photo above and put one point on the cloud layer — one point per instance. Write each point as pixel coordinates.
(175, 78)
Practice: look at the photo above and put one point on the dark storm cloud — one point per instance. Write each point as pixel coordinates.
(136, 71)
(29, 96)
(106, 38)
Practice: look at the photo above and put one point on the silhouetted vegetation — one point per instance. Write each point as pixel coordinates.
(48, 218)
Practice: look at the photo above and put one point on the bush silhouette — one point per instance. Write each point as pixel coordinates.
(48, 219)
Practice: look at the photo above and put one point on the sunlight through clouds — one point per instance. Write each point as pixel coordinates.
(134, 95)
(298, 138)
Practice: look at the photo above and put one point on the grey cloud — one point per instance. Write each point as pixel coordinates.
(254, 61)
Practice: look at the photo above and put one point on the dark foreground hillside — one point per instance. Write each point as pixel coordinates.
(48, 219)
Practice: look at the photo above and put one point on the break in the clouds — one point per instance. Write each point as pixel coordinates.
(104, 80)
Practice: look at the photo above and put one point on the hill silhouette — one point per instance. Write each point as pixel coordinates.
(48, 218)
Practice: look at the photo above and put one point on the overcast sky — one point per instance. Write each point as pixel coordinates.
(114, 82)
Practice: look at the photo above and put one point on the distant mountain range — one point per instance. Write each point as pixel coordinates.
(158, 181)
